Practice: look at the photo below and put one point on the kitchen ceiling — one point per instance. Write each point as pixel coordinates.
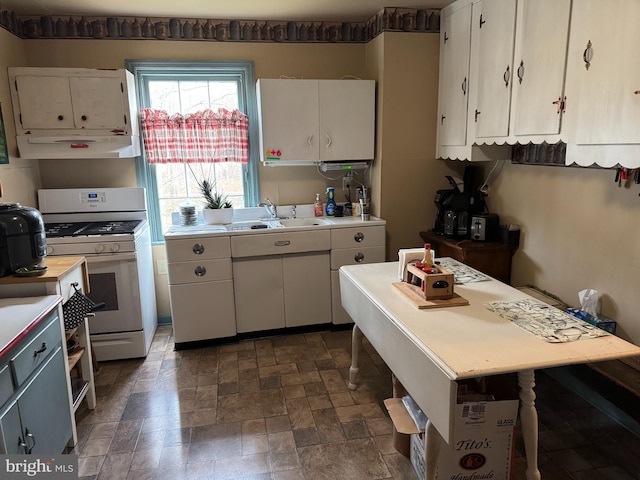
(298, 10)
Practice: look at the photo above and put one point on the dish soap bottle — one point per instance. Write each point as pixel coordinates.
(317, 206)
(330, 208)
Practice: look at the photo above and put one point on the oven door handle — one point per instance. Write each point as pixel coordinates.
(119, 257)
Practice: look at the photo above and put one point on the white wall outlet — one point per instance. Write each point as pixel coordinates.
(161, 267)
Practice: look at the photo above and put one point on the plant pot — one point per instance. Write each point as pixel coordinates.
(217, 216)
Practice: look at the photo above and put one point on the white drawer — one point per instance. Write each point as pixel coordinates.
(188, 249)
(280, 243)
(353, 256)
(357, 237)
(200, 271)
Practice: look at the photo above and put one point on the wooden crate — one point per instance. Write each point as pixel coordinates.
(433, 286)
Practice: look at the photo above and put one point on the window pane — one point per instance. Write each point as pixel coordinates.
(164, 95)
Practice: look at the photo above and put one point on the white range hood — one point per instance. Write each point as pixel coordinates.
(70, 147)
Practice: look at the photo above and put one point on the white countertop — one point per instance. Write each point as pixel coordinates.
(236, 227)
(18, 316)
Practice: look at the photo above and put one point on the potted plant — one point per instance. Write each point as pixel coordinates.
(218, 208)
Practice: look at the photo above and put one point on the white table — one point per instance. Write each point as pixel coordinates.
(428, 350)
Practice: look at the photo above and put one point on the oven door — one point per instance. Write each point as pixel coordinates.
(113, 279)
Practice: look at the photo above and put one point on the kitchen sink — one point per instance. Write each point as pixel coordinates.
(304, 222)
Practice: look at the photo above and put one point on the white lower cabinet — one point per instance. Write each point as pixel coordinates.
(201, 288)
(282, 291)
(351, 246)
(221, 286)
(281, 280)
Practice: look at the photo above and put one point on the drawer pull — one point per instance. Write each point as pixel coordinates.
(198, 249)
(200, 271)
(42, 349)
(359, 257)
(282, 243)
(358, 237)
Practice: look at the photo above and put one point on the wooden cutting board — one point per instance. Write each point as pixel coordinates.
(414, 295)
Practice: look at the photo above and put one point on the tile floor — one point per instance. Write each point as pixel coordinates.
(279, 408)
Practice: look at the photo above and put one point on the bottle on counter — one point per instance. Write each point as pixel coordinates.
(427, 260)
(317, 206)
(330, 208)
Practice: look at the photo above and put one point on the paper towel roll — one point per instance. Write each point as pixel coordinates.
(407, 255)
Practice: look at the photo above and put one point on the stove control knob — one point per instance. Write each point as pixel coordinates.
(198, 249)
(200, 271)
(99, 248)
(115, 247)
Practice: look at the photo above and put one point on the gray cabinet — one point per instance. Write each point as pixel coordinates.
(35, 415)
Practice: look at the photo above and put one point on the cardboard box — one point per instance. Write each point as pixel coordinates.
(483, 440)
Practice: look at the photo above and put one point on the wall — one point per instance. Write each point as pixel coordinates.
(20, 178)
(565, 215)
(407, 174)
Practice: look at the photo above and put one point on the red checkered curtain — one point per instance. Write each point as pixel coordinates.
(205, 136)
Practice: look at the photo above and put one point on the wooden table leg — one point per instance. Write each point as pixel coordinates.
(356, 343)
(432, 442)
(529, 420)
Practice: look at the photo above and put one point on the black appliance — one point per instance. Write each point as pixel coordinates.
(455, 207)
(23, 242)
(485, 227)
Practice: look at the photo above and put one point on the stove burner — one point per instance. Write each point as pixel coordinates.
(76, 229)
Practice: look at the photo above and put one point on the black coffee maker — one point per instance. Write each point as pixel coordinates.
(455, 207)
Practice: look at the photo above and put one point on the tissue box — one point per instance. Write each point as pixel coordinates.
(600, 321)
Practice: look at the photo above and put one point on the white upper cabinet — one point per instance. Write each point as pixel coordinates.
(603, 84)
(542, 33)
(455, 45)
(288, 120)
(316, 120)
(347, 119)
(493, 34)
(455, 120)
(52, 101)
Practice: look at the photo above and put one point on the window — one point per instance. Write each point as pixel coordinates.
(188, 87)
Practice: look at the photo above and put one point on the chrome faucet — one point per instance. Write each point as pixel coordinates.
(272, 210)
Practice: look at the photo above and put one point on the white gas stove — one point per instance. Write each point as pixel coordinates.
(109, 227)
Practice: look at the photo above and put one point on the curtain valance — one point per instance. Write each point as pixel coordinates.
(204, 136)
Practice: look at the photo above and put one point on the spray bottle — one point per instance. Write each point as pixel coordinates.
(330, 208)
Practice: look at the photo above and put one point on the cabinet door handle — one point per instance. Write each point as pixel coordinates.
(520, 71)
(200, 271)
(31, 437)
(84, 118)
(358, 237)
(329, 141)
(42, 349)
(475, 118)
(442, 119)
(309, 140)
(464, 86)
(282, 243)
(506, 77)
(587, 55)
(60, 117)
(198, 249)
(482, 22)
(359, 257)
